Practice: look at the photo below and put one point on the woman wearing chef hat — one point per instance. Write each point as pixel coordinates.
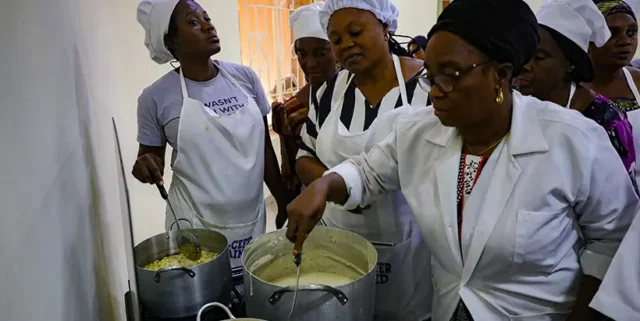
(612, 78)
(518, 199)
(318, 65)
(351, 113)
(566, 29)
(213, 115)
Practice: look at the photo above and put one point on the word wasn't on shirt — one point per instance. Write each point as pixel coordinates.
(225, 106)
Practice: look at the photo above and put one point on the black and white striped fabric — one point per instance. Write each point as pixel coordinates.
(357, 113)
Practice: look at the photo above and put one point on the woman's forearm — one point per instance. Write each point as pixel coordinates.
(309, 169)
(336, 188)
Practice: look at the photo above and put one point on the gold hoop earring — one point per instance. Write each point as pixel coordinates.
(500, 97)
(386, 37)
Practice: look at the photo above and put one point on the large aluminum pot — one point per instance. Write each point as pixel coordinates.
(331, 250)
(180, 292)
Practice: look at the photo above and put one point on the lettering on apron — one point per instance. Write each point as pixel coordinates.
(237, 247)
(384, 270)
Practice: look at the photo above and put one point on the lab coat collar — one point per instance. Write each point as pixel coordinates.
(525, 137)
(496, 182)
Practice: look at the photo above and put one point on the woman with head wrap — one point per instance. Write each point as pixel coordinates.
(566, 29)
(416, 47)
(523, 204)
(612, 78)
(349, 114)
(213, 114)
(318, 65)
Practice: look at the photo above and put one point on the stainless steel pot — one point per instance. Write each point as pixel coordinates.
(179, 292)
(336, 251)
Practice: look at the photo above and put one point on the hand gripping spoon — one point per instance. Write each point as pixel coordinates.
(297, 259)
(187, 242)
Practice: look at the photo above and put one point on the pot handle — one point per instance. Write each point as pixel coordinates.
(189, 272)
(176, 221)
(214, 304)
(340, 296)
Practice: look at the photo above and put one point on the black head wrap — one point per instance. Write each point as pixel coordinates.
(420, 41)
(583, 71)
(504, 30)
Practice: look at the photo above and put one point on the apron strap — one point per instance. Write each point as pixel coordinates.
(572, 92)
(233, 81)
(632, 84)
(224, 73)
(185, 95)
(339, 98)
(401, 84)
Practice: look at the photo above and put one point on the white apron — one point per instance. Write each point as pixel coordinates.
(218, 173)
(404, 288)
(572, 92)
(634, 119)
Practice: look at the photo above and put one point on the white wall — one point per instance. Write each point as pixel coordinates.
(417, 17)
(67, 67)
(60, 232)
(535, 4)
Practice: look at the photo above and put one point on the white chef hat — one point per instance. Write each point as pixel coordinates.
(305, 22)
(154, 16)
(384, 10)
(578, 20)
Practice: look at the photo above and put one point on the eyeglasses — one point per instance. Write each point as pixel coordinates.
(445, 82)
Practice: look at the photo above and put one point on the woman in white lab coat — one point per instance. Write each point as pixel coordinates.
(567, 27)
(612, 76)
(213, 115)
(619, 293)
(505, 188)
(351, 113)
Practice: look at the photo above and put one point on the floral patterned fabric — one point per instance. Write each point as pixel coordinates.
(468, 173)
(608, 115)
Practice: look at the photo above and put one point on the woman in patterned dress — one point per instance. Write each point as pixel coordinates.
(566, 29)
(612, 78)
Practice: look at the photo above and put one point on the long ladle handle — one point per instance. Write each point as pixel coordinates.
(165, 196)
(163, 192)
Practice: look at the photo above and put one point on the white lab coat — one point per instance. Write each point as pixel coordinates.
(619, 294)
(554, 178)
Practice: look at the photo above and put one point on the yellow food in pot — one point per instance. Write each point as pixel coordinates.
(180, 260)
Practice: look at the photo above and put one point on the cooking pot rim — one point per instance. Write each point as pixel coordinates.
(172, 234)
(283, 231)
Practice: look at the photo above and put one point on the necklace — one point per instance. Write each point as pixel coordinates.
(490, 147)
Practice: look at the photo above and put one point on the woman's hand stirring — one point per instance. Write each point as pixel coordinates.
(307, 209)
